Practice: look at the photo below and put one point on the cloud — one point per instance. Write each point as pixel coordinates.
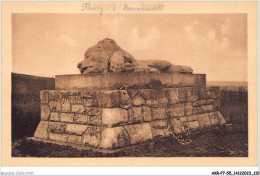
(202, 37)
(224, 43)
(146, 40)
(190, 32)
(211, 34)
(195, 22)
(224, 28)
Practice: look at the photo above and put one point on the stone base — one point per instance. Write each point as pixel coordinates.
(111, 119)
(105, 137)
(118, 80)
(115, 150)
(81, 147)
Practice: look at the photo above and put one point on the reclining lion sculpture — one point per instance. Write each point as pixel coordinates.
(107, 56)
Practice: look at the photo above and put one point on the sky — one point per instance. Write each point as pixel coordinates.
(53, 44)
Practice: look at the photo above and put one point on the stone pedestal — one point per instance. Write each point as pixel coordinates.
(136, 80)
(110, 119)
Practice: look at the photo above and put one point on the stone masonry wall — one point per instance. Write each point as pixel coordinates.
(116, 118)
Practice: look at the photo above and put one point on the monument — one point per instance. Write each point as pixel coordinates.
(119, 101)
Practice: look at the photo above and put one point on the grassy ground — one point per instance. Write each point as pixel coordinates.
(26, 103)
(214, 143)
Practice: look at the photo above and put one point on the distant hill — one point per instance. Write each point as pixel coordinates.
(26, 102)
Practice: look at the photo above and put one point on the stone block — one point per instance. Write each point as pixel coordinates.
(74, 139)
(207, 88)
(193, 125)
(66, 117)
(199, 103)
(64, 100)
(42, 130)
(206, 108)
(44, 96)
(57, 127)
(55, 116)
(139, 132)
(207, 93)
(192, 98)
(160, 96)
(213, 116)
(151, 103)
(45, 112)
(138, 100)
(204, 121)
(124, 99)
(65, 107)
(215, 92)
(189, 93)
(160, 132)
(135, 114)
(176, 110)
(55, 106)
(92, 136)
(187, 109)
(74, 92)
(172, 95)
(113, 80)
(183, 94)
(201, 93)
(183, 119)
(108, 98)
(77, 108)
(88, 95)
(153, 93)
(196, 110)
(192, 117)
(166, 132)
(112, 138)
(221, 119)
(162, 102)
(132, 92)
(111, 116)
(216, 105)
(147, 114)
(176, 126)
(54, 95)
(209, 101)
(86, 119)
(94, 120)
(158, 113)
(157, 132)
(89, 102)
(75, 99)
(93, 111)
(76, 129)
(145, 93)
(58, 137)
(159, 124)
(194, 95)
(64, 95)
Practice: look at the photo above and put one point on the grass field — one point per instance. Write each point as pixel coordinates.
(26, 103)
(225, 142)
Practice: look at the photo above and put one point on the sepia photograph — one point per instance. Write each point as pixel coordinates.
(129, 85)
(125, 80)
